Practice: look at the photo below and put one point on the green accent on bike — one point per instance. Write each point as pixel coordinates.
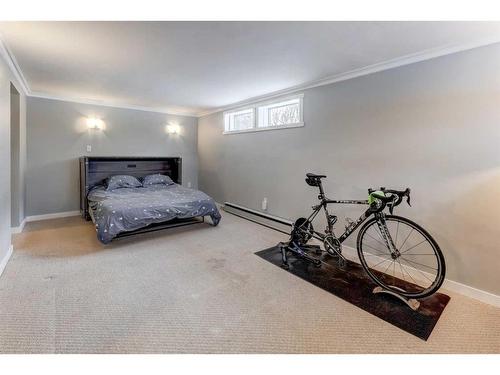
(372, 198)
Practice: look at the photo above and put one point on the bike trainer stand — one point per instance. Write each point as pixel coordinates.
(412, 303)
(299, 251)
(302, 253)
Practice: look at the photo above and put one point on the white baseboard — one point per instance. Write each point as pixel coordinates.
(468, 291)
(453, 286)
(32, 218)
(5, 260)
(55, 215)
(18, 229)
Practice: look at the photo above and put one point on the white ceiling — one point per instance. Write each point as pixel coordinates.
(197, 67)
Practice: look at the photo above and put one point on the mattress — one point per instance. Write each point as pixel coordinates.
(127, 209)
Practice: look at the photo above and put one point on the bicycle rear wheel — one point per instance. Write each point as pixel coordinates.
(416, 270)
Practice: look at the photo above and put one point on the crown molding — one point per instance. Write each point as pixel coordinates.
(111, 104)
(374, 68)
(11, 61)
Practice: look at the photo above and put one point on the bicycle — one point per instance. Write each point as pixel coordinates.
(396, 253)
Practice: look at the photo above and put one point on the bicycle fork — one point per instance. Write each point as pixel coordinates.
(386, 236)
(395, 254)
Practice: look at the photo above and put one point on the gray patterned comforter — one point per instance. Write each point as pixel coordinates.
(127, 209)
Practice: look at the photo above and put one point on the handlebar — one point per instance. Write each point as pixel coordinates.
(390, 197)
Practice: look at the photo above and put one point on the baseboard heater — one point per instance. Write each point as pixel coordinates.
(274, 222)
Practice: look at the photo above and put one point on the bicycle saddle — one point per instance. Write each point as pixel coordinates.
(312, 175)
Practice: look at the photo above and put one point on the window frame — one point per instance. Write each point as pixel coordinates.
(239, 112)
(256, 114)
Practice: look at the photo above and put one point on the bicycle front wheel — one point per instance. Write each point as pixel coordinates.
(415, 269)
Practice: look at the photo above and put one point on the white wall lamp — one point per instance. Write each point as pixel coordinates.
(95, 123)
(173, 129)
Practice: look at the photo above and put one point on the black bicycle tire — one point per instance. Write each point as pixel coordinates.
(442, 266)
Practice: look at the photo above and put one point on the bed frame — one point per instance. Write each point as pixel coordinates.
(95, 169)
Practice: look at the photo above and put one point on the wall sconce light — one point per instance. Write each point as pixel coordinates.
(95, 123)
(173, 129)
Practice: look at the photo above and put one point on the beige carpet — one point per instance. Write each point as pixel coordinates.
(195, 289)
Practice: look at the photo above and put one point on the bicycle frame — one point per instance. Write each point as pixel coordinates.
(373, 209)
(324, 204)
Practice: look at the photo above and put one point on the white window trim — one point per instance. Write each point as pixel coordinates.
(255, 108)
(254, 130)
(246, 109)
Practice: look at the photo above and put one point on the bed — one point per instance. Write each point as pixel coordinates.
(133, 210)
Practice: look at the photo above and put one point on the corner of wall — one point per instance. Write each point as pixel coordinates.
(5, 259)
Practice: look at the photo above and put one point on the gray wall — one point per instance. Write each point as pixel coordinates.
(6, 78)
(433, 126)
(15, 160)
(58, 135)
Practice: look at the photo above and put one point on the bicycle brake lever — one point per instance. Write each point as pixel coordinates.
(408, 197)
(393, 204)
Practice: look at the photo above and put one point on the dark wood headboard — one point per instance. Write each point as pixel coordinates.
(95, 169)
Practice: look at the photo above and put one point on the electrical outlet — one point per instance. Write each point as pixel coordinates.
(189, 184)
(264, 204)
(89, 148)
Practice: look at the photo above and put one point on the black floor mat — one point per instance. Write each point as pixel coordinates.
(353, 285)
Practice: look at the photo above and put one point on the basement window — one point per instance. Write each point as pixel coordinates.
(276, 114)
(239, 121)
